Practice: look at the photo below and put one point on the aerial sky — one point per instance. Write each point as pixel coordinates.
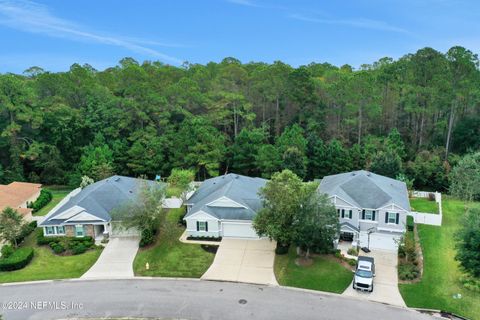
(55, 34)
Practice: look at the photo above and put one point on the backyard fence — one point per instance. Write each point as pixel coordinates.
(427, 217)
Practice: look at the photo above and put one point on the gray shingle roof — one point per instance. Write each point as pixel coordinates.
(241, 189)
(366, 189)
(99, 199)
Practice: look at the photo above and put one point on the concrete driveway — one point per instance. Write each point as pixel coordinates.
(385, 284)
(242, 260)
(116, 260)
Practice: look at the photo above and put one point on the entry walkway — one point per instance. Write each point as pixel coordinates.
(241, 260)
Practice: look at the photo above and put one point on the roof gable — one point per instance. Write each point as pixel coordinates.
(366, 190)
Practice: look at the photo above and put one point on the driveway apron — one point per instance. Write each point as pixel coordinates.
(242, 260)
(116, 260)
(385, 284)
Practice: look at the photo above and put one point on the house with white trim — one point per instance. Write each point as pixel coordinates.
(224, 206)
(372, 209)
(87, 211)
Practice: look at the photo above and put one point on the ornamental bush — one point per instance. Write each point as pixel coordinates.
(19, 259)
(410, 223)
(147, 238)
(7, 251)
(42, 200)
(79, 249)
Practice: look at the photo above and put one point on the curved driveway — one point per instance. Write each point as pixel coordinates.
(185, 299)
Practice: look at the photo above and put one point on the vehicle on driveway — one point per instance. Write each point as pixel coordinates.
(364, 274)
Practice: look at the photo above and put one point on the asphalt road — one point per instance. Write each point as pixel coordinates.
(183, 299)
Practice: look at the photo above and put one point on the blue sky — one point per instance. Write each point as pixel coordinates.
(56, 34)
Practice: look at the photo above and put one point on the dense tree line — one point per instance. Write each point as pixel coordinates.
(413, 115)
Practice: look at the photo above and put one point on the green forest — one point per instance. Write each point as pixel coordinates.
(417, 115)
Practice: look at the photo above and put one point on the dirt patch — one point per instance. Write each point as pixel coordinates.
(303, 262)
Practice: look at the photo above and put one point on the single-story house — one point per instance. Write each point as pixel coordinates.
(224, 206)
(370, 207)
(18, 195)
(86, 212)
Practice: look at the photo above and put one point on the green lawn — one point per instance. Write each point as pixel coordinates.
(441, 272)
(57, 196)
(46, 265)
(423, 205)
(325, 274)
(172, 258)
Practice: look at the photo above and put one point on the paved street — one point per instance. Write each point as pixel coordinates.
(243, 260)
(116, 260)
(185, 299)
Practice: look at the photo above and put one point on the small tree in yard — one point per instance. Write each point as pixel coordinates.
(11, 224)
(465, 178)
(468, 243)
(181, 179)
(316, 225)
(145, 213)
(282, 197)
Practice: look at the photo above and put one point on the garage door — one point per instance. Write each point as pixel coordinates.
(120, 231)
(238, 230)
(380, 241)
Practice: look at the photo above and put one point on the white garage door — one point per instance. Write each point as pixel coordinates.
(238, 230)
(120, 231)
(380, 241)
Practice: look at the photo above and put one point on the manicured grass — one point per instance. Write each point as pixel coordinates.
(46, 265)
(441, 272)
(171, 258)
(423, 205)
(325, 274)
(57, 196)
(173, 192)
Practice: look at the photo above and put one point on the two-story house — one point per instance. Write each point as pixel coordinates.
(370, 207)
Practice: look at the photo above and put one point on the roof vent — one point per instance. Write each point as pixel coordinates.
(117, 178)
(353, 173)
(237, 176)
(368, 174)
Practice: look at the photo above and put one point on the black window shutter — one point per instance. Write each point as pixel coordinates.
(198, 226)
(373, 215)
(350, 214)
(206, 226)
(343, 213)
(363, 214)
(398, 218)
(386, 217)
(339, 212)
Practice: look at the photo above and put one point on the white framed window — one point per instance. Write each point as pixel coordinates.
(202, 226)
(49, 230)
(79, 232)
(391, 217)
(60, 230)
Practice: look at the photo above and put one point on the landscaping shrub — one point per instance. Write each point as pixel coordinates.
(216, 239)
(352, 262)
(42, 200)
(470, 282)
(281, 249)
(17, 260)
(79, 249)
(7, 251)
(42, 240)
(407, 271)
(147, 238)
(27, 229)
(410, 223)
(353, 251)
(58, 248)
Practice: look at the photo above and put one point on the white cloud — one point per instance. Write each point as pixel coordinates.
(357, 23)
(32, 17)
